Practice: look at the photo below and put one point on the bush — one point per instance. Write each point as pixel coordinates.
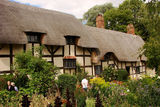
(122, 75)
(9, 99)
(90, 102)
(109, 74)
(4, 79)
(66, 81)
(40, 72)
(146, 91)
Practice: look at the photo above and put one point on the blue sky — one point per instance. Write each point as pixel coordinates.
(74, 7)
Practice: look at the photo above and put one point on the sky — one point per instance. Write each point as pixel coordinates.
(74, 7)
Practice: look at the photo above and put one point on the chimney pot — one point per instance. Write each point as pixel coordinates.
(130, 29)
(100, 21)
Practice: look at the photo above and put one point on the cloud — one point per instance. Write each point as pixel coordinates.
(74, 7)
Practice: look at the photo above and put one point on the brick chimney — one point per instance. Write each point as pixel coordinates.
(100, 21)
(130, 29)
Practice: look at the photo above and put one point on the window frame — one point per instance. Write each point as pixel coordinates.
(70, 62)
(99, 68)
(33, 37)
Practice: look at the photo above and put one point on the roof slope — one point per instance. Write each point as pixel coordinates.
(15, 19)
(124, 46)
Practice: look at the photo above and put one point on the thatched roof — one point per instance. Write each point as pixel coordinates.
(15, 19)
(126, 47)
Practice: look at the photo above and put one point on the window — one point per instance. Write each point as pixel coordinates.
(69, 63)
(98, 69)
(33, 37)
(71, 40)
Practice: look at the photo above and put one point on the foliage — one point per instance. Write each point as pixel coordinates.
(122, 75)
(80, 96)
(66, 81)
(93, 12)
(109, 74)
(10, 99)
(144, 92)
(80, 74)
(116, 19)
(4, 79)
(151, 48)
(98, 101)
(130, 11)
(40, 72)
(90, 102)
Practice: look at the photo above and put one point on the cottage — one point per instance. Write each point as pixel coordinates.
(68, 42)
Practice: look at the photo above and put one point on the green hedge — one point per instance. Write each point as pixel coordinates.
(122, 75)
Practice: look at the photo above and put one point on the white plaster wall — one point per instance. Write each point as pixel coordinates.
(58, 61)
(4, 64)
(72, 50)
(88, 61)
(104, 64)
(123, 66)
(88, 70)
(79, 51)
(111, 62)
(17, 49)
(45, 52)
(29, 46)
(66, 50)
(79, 60)
(59, 51)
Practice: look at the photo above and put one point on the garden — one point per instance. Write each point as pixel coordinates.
(40, 85)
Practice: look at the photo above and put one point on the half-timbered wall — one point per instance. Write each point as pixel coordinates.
(56, 54)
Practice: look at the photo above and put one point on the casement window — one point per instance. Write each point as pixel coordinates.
(69, 63)
(98, 69)
(33, 37)
(71, 40)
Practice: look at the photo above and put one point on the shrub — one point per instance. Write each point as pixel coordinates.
(122, 75)
(146, 91)
(4, 79)
(109, 74)
(90, 102)
(9, 99)
(41, 72)
(66, 81)
(80, 73)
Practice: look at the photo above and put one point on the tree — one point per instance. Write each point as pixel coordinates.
(92, 13)
(130, 11)
(118, 20)
(152, 46)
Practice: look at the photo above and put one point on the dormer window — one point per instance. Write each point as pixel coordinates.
(71, 40)
(34, 37)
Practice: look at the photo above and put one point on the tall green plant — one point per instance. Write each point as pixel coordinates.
(40, 72)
